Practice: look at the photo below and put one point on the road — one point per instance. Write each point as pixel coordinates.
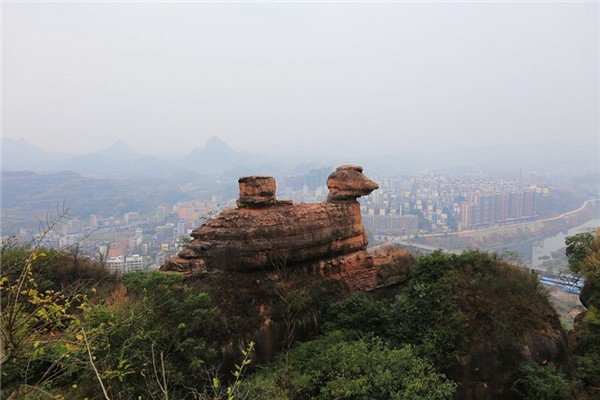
(422, 246)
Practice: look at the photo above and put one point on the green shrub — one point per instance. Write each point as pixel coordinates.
(358, 314)
(456, 301)
(541, 382)
(333, 367)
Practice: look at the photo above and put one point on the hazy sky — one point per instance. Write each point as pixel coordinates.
(321, 77)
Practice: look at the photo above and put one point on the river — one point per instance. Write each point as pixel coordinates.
(543, 249)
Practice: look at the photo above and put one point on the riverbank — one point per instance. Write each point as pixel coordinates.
(503, 236)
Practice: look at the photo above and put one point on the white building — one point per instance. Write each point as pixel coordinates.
(124, 264)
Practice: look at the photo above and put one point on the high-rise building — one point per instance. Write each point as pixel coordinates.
(94, 219)
(515, 205)
(391, 224)
(481, 210)
(501, 207)
(410, 224)
(131, 217)
(162, 213)
(165, 233)
(529, 197)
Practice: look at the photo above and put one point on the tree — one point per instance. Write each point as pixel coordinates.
(39, 327)
(156, 326)
(333, 367)
(583, 251)
(536, 382)
(579, 247)
(183, 241)
(358, 314)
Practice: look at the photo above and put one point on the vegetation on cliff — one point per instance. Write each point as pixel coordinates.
(340, 366)
(583, 252)
(464, 326)
(473, 319)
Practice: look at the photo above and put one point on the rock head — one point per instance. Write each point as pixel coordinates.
(348, 183)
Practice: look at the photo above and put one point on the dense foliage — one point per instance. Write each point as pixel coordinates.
(583, 252)
(160, 324)
(147, 335)
(336, 366)
(452, 302)
(43, 293)
(70, 330)
(536, 382)
(452, 305)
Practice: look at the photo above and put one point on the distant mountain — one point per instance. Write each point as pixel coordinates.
(119, 150)
(20, 187)
(118, 161)
(20, 155)
(29, 196)
(217, 156)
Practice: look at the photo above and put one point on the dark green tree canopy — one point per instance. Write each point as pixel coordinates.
(579, 247)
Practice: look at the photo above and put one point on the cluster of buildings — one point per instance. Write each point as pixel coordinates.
(480, 210)
(120, 254)
(148, 251)
(63, 236)
(403, 206)
(194, 211)
(390, 224)
(438, 203)
(129, 242)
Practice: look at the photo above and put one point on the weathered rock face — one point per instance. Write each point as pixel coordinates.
(348, 182)
(254, 239)
(257, 191)
(264, 233)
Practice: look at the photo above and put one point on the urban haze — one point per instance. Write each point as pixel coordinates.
(347, 81)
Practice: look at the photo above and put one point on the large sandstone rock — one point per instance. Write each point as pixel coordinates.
(264, 233)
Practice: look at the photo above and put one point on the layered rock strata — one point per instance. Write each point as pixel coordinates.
(264, 233)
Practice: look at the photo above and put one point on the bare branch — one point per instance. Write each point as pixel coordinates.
(87, 345)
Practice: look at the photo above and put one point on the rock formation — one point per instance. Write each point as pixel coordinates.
(264, 233)
(348, 183)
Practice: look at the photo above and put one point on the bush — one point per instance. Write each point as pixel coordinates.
(457, 301)
(358, 314)
(159, 318)
(333, 367)
(536, 382)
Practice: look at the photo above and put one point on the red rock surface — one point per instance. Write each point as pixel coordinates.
(348, 182)
(257, 191)
(263, 233)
